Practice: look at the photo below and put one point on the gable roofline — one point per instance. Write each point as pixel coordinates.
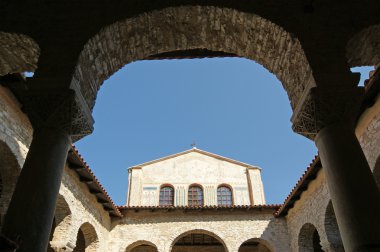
(230, 160)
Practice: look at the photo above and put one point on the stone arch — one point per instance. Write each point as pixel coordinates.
(140, 245)
(256, 245)
(363, 49)
(87, 239)
(62, 221)
(199, 231)
(9, 172)
(183, 29)
(18, 53)
(309, 239)
(332, 229)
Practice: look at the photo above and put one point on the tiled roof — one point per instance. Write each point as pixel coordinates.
(86, 176)
(301, 186)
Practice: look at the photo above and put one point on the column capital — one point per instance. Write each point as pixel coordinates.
(59, 109)
(324, 106)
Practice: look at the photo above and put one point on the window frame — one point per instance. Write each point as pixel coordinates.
(218, 196)
(192, 198)
(170, 196)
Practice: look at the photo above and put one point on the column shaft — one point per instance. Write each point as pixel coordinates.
(31, 211)
(353, 190)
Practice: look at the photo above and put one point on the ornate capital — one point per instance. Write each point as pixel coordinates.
(325, 106)
(61, 109)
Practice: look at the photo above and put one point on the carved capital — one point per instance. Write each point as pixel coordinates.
(325, 106)
(60, 109)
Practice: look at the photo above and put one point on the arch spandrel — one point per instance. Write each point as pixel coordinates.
(187, 28)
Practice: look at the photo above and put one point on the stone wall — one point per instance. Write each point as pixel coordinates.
(231, 228)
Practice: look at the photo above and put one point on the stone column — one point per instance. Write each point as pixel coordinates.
(352, 187)
(31, 211)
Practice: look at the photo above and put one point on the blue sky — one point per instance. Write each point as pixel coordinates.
(229, 106)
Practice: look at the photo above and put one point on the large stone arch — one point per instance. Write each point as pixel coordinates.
(309, 239)
(87, 239)
(134, 245)
(261, 246)
(198, 231)
(9, 172)
(186, 28)
(363, 49)
(332, 230)
(18, 53)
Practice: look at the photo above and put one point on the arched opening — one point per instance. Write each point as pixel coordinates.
(87, 239)
(176, 33)
(255, 245)
(141, 246)
(309, 239)
(224, 195)
(18, 53)
(166, 195)
(195, 195)
(198, 241)
(9, 172)
(332, 229)
(61, 223)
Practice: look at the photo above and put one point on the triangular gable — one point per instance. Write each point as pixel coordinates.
(200, 152)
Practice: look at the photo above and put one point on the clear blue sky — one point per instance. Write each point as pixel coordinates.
(230, 106)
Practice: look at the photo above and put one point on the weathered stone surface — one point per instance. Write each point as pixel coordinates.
(185, 28)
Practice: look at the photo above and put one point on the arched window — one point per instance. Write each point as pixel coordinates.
(166, 196)
(224, 196)
(195, 196)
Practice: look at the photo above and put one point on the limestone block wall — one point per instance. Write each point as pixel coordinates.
(83, 209)
(311, 208)
(193, 168)
(75, 207)
(15, 128)
(163, 228)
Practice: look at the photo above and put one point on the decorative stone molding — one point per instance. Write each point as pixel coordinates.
(61, 109)
(325, 106)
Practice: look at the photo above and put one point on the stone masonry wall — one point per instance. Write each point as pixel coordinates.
(163, 228)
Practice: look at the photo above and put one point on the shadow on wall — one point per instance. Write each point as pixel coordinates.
(376, 172)
(309, 239)
(9, 172)
(87, 239)
(332, 229)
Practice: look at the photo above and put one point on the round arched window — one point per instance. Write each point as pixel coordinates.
(224, 196)
(166, 196)
(195, 196)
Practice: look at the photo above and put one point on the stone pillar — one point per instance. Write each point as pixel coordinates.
(31, 211)
(352, 187)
